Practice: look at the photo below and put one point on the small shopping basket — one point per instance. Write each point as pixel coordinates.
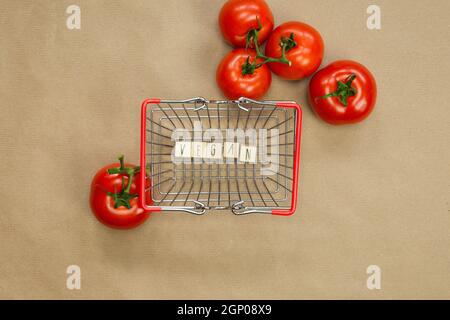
(200, 155)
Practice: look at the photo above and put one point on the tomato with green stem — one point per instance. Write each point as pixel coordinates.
(114, 196)
(299, 43)
(244, 72)
(343, 92)
(238, 17)
(241, 74)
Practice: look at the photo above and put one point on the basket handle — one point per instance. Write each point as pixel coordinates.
(142, 196)
(296, 166)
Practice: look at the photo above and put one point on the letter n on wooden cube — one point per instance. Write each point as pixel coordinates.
(248, 154)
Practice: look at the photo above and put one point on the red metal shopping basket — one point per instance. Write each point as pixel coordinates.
(200, 155)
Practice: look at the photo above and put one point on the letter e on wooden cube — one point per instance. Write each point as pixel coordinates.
(198, 149)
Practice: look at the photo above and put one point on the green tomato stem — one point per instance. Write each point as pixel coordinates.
(123, 197)
(344, 90)
(252, 36)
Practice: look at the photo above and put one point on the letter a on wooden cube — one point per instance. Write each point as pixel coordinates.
(231, 150)
(248, 154)
(182, 149)
(213, 151)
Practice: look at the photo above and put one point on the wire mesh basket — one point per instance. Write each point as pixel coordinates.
(200, 155)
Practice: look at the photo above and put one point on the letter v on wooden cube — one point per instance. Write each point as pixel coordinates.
(183, 149)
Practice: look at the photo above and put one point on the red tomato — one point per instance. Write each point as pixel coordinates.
(238, 17)
(305, 55)
(343, 92)
(234, 84)
(103, 187)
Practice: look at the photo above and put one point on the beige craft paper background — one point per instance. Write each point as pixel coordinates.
(375, 193)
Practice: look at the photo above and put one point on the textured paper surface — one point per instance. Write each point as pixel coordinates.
(372, 194)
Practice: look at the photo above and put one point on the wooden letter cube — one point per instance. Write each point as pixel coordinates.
(231, 150)
(183, 149)
(248, 154)
(213, 151)
(198, 149)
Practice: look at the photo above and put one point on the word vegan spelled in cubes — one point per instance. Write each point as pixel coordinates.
(215, 151)
(225, 146)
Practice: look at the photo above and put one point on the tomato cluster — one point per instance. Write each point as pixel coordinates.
(341, 93)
